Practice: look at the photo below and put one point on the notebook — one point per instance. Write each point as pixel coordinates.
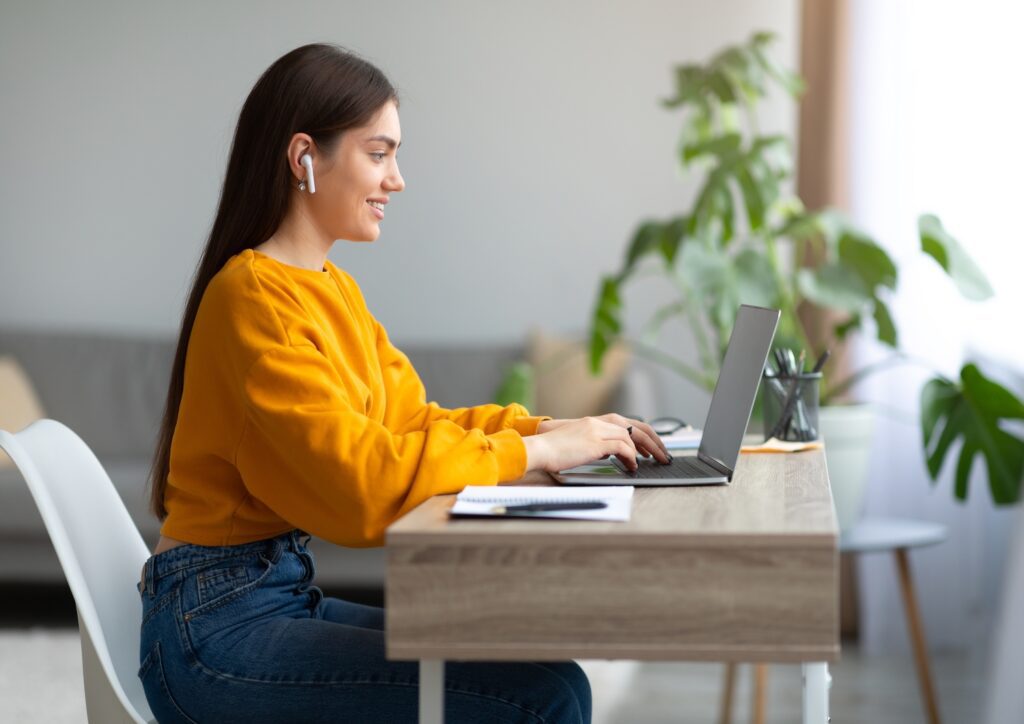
(480, 500)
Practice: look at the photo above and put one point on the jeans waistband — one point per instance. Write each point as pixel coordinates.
(191, 555)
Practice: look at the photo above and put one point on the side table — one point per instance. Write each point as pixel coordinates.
(874, 535)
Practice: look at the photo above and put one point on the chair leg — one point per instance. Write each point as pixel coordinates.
(760, 693)
(924, 675)
(725, 716)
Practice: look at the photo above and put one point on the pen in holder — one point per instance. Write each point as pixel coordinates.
(791, 406)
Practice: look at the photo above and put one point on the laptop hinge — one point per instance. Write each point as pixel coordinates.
(717, 465)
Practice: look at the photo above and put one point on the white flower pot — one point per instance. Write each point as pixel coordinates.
(847, 431)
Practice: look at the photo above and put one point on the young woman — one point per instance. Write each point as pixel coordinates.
(290, 414)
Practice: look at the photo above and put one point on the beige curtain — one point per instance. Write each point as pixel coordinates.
(823, 178)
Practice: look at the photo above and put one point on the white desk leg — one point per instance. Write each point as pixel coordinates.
(816, 685)
(431, 691)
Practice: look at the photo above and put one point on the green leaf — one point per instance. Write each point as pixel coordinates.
(719, 84)
(834, 286)
(743, 70)
(723, 145)
(646, 240)
(605, 324)
(972, 411)
(937, 243)
(689, 80)
(886, 327)
(829, 224)
(713, 204)
(792, 82)
(755, 282)
(674, 233)
(751, 196)
(517, 386)
(868, 260)
(844, 328)
(705, 271)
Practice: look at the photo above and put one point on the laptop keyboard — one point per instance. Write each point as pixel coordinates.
(682, 466)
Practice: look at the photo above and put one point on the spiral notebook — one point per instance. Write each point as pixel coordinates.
(480, 500)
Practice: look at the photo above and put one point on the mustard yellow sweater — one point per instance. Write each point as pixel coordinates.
(297, 412)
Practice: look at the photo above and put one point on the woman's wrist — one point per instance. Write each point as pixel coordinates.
(549, 425)
(535, 452)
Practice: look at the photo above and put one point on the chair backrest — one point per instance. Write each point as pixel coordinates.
(99, 547)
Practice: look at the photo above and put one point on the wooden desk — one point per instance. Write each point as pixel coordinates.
(739, 572)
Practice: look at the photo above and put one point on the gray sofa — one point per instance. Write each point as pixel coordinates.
(110, 390)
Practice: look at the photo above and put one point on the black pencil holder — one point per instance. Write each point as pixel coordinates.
(791, 406)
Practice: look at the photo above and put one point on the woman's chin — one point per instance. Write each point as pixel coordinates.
(363, 236)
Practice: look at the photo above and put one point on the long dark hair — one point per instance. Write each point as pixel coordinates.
(317, 89)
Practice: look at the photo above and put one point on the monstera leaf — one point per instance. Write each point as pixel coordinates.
(972, 411)
(937, 243)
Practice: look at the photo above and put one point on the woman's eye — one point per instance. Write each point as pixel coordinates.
(378, 155)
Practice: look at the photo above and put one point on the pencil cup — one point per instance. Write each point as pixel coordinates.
(791, 406)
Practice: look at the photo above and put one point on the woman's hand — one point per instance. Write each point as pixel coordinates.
(562, 444)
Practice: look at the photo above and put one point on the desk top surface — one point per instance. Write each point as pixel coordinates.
(774, 499)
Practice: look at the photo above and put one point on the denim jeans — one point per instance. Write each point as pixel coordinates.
(240, 634)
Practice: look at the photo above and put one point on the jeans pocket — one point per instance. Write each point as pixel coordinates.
(216, 582)
(217, 587)
(158, 695)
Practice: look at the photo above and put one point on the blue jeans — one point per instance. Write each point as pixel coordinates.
(239, 633)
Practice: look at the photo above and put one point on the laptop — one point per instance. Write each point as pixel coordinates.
(726, 423)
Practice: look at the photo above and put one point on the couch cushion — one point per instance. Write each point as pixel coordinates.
(108, 389)
(461, 376)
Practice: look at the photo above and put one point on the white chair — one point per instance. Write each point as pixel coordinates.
(102, 554)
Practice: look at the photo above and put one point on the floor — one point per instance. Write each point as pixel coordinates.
(40, 681)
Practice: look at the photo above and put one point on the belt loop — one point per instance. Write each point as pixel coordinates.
(276, 549)
(150, 583)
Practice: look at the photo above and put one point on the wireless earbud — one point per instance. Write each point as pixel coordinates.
(307, 161)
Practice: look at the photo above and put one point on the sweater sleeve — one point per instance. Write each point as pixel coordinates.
(409, 410)
(321, 464)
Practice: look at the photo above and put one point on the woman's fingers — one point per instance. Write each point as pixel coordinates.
(647, 441)
(627, 454)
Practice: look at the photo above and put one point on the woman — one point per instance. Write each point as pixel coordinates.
(289, 412)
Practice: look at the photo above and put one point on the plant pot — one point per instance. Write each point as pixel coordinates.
(847, 431)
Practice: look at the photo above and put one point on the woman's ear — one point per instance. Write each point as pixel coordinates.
(300, 145)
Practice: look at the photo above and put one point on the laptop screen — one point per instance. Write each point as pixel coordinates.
(733, 399)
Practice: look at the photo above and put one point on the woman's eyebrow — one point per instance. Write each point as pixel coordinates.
(392, 143)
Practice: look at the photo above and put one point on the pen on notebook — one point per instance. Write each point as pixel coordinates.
(546, 507)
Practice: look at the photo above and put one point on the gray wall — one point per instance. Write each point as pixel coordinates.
(533, 143)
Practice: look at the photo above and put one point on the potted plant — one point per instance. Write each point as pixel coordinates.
(747, 239)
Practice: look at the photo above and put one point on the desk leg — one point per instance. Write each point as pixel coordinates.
(816, 685)
(431, 691)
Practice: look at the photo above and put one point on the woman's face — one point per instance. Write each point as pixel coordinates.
(354, 183)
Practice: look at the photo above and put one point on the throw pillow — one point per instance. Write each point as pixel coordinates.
(565, 388)
(19, 405)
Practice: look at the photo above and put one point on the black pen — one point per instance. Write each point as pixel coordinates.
(545, 507)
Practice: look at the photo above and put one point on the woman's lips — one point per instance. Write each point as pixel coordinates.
(377, 212)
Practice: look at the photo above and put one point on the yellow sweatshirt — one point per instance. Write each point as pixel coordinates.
(297, 412)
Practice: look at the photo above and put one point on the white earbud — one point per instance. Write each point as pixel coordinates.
(307, 161)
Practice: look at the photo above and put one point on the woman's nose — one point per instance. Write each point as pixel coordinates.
(395, 182)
